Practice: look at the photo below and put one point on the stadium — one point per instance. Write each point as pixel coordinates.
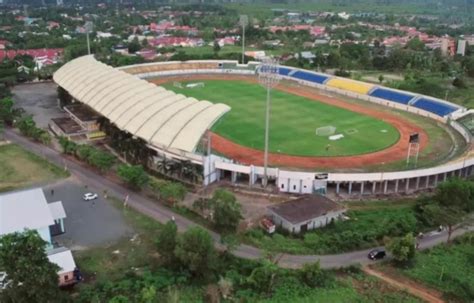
(327, 134)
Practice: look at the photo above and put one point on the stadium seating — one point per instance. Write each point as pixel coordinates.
(392, 95)
(283, 71)
(438, 108)
(350, 85)
(310, 77)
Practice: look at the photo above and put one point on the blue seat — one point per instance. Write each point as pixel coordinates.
(392, 95)
(438, 108)
(310, 77)
(283, 71)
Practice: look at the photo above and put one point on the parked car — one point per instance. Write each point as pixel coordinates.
(377, 254)
(90, 196)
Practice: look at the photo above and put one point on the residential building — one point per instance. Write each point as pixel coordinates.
(305, 213)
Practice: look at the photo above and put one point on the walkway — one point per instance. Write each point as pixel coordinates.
(163, 214)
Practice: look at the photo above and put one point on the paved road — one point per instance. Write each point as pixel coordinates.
(162, 214)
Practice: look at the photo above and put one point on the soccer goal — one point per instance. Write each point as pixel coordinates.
(325, 131)
(195, 85)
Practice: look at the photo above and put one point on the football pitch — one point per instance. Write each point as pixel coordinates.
(298, 126)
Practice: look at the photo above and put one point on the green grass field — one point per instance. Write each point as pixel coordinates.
(20, 168)
(294, 121)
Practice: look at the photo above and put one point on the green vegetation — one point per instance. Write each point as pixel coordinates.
(293, 123)
(27, 169)
(133, 271)
(448, 268)
(369, 223)
(403, 249)
(94, 156)
(33, 278)
(133, 175)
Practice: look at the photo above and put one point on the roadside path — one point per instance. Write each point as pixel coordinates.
(417, 290)
(163, 214)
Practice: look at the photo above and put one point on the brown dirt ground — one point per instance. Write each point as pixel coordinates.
(418, 290)
(249, 156)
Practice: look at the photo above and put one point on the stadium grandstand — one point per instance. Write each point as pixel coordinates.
(350, 85)
(310, 77)
(160, 117)
(392, 95)
(438, 108)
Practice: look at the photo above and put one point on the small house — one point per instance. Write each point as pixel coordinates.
(305, 213)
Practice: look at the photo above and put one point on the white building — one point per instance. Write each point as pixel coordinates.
(305, 213)
(29, 210)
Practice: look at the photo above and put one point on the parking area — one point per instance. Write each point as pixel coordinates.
(39, 100)
(88, 223)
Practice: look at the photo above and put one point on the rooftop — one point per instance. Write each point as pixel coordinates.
(63, 258)
(27, 209)
(305, 208)
(82, 112)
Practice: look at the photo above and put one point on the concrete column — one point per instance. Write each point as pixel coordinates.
(350, 188)
(427, 183)
(362, 188)
(436, 181)
(417, 186)
(407, 184)
(460, 173)
(374, 186)
(233, 177)
(337, 187)
(218, 174)
(396, 186)
(385, 186)
(445, 176)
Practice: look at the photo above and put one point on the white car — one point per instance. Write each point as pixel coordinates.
(90, 196)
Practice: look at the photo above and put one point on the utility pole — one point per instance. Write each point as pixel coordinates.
(244, 20)
(269, 78)
(89, 26)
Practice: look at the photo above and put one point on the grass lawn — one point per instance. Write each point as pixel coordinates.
(448, 268)
(368, 224)
(294, 121)
(20, 168)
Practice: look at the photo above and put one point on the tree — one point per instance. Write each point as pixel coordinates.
(69, 147)
(227, 212)
(100, 159)
(134, 46)
(381, 78)
(166, 241)
(33, 278)
(263, 277)
(173, 192)
(8, 113)
(134, 175)
(216, 47)
(403, 249)
(451, 205)
(415, 44)
(313, 275)
(195, 251)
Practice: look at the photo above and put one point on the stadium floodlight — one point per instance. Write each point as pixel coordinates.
(88, 27)
(243, 21)
(268, 77)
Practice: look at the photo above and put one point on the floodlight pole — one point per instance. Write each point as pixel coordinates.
(268, 78)
(243, 21)
(88, 44)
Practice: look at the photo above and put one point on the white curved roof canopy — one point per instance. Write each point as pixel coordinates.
(159, 116)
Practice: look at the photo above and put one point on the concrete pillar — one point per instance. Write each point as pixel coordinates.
(350, 188)
(362, 188)
(337, 187)
(417, 186)
(385, 186)
(445, 176)
(374, 186)
(407, 184)
(218, 174)
(396, 186)
(460, 173)
(233, 177)
(427, 183)
(436, 181)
